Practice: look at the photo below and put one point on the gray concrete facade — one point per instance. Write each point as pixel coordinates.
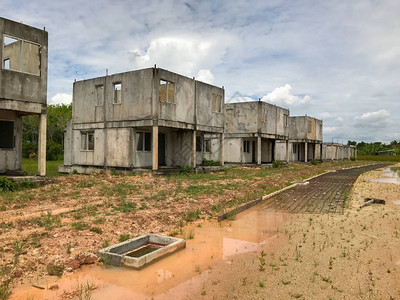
(335, 151)
(305, 139)
(23, 90)
(143, 119)
(255, 132)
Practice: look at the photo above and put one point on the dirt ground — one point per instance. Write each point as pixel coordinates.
(354, 255)
(55, 229)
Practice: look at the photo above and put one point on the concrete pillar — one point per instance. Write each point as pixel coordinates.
(320, 151)
(155, 148)
(259, 150)
(222, 162)
(194, 148)
(42, 145)
(287, 150)
(355, 153)
(305, 151)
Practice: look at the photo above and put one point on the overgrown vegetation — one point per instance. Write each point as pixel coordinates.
(6, 185)
(374, 147)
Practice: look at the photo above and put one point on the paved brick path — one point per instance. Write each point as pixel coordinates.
(324, 194)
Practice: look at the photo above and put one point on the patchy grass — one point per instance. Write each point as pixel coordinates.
(390, 158)
(31, 167)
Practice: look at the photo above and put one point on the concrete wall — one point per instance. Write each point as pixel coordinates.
(23, 86)
(241, 117)
(205, 116)
(332, 151)
(305, 128)
(18, 85)
(233, 150)
(280, 150)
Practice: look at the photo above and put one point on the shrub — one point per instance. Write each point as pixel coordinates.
(6, 185)
(314, 162)
(54, 151)
(210, 162)
(352, 158)
(277, 164)
(186, 170)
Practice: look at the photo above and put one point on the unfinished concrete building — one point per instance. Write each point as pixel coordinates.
(255, 132)
(23, 91)
(336, 151)
(147, 118)
(305, 135)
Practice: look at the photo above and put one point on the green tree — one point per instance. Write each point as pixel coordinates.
(58, 116)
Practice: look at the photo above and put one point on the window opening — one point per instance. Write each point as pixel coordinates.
(143, 141)
(87, 141)
(117, 93)
(264, 116)
(198, 144)
(6, 134)
(216, 103)
(99, 95)
(207, 146)
(246, 146)
(167, 91)
(20, 55)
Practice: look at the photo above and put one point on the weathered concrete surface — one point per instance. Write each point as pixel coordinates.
(252, 130)
(334, 151)
(305, 136)
(167, 124)
(23, 88)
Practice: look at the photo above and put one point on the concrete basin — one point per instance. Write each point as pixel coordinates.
(140, 251)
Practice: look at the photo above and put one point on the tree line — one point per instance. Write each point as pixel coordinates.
(374, 147)
(58, 116)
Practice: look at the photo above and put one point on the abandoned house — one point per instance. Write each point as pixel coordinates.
(336, 151)
(305, 135)
(23, 91)
(255, 132)
(147, 118)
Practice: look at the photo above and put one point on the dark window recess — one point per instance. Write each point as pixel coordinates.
(246, 146)
(6, 134)
(198, 144)
(143, 141)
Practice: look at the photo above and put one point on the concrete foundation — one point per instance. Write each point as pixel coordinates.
(119, 254)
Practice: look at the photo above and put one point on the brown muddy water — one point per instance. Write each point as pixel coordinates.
(171, 276)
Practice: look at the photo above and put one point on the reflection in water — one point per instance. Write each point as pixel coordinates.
(173, 274)
(390, 175)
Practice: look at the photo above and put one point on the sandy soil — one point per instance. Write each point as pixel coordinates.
(351, 256)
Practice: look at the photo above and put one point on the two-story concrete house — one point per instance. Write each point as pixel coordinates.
(255, 132)
(23, 91)
(305, 135)
(143, 119)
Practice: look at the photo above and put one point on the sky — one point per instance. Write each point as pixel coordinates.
(338, 61)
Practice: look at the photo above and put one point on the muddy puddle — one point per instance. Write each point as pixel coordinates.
(389, 175)
(171, 276)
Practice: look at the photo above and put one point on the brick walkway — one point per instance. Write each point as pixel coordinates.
(327, 193)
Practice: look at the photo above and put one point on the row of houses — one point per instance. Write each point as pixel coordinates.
(150, 118)
(154, 118)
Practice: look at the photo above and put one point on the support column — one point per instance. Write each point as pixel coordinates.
(287, 150)
(222, 149)
(305, 151)
(194, 148)
(355, 153)
(155, 148)
(259, 150)
(321, 152)
(42, 145)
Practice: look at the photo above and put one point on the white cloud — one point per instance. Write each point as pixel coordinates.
(239, 100)
(373, 116)
(182, 53)
(330, 130)
(205, 76)
(284, 95)
(61, 99)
